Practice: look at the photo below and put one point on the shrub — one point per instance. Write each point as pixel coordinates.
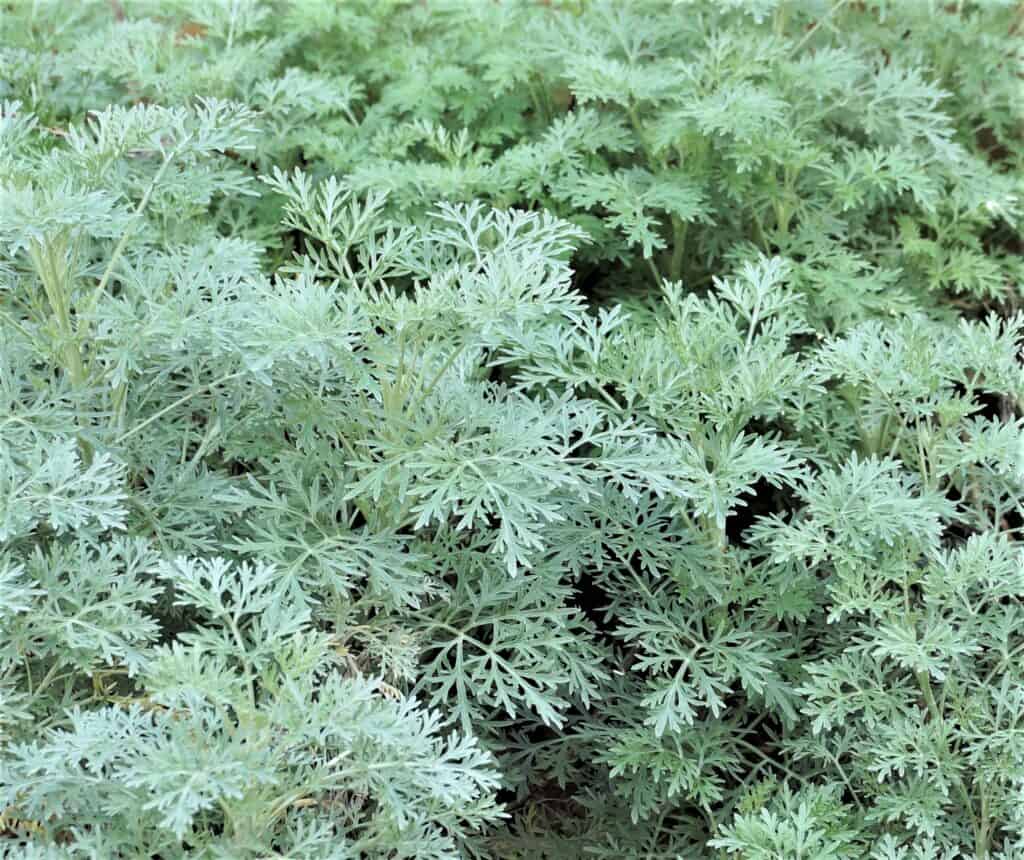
(520, 430)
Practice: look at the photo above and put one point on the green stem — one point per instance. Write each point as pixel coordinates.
(814, 27)
(250, 672)
(762, 237)
(443, 370)
(123, 241)
(883, 425)
(50, 260)
(790, 773)
(654, 271)
(983, 837)
(634, 120)
(17, 326)
(925, 685)
(45, 682)
(156, 416)
(675, 268)
(781, 18)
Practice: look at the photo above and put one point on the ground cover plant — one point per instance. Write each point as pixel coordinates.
(449, 429)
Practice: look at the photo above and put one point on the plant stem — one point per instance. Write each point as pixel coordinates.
(790, 773)
(814, 27)
(50, 260)
(675, 268)
(183, 399)
(123, 241)
(654, 271)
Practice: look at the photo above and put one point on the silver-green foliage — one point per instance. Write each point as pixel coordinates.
(511, 430)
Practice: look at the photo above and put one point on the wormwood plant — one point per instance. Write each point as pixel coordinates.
(511, 430)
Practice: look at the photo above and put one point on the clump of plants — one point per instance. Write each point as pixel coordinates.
(511, 430)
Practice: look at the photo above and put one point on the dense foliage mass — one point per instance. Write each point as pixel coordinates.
(470, 429)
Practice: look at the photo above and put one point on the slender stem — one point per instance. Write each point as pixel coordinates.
(981, 841)
(842, 775)
(675, 268)
(45, 682)
(755, 318)
(426, 392)
(922, 459)
(119, 400)
(762, 237)
(634, 120)
(231, 26)
(50, 260)
(896, 441)
(781, 18)
(115, 257)
(883, 425)
(1005, 662)
(654, 271)
(790, 773)
(814, 27)
(925, 685)
(25, 333)
(242, 652)
(607, 398)
(183, 399)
